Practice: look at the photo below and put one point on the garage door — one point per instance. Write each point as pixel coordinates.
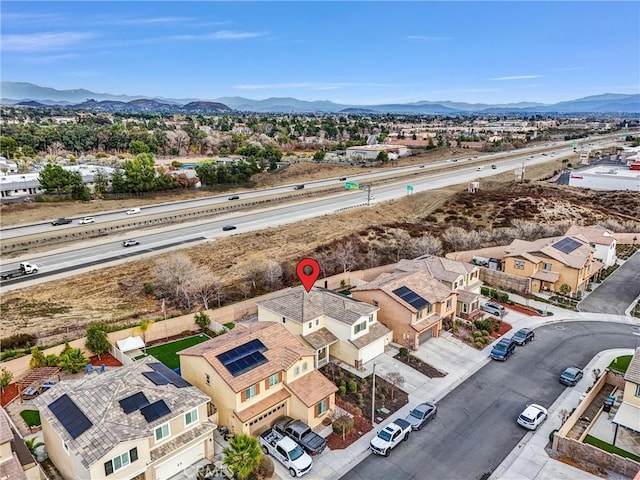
(425, 336)
(180, 462)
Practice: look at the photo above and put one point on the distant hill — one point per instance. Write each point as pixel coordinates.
(23, 93)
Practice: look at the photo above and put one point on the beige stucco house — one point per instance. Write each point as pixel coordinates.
(551, 262)
(16, 462)
(256, 373)
(136, 422)
(412, 305)
(462, 277)
(628, 414)
(332, 324)
(600, 238)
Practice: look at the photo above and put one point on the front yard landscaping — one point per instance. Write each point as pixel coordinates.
(620, 364)
(480, 333)
(31, 417)
(414, 362)
(625, 250)
(166, 353)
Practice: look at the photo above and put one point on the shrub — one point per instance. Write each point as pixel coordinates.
(479, 344)
(19, 340)
(352, 386)
(404, 351)
(478, 333)
(326, 421)
(357, 411)
(469, 338)
(552, 433)
(486, 324)
(343, 384)
(342, 390)
(381, 396)
(485, 333)
(342, 425)
(266, 467)
(503, 297)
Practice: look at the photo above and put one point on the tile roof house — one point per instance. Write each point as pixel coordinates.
(600, 238)
(257, 372)
(412, 305)
(462, 277)
(332, 324)
(16, 462)
(552, 262)
(628, 414)
(135, 422)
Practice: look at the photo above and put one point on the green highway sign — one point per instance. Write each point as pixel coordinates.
(409, 188)
(351, 186)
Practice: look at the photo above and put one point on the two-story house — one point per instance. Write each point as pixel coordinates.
(16, 462)
(330, 323)
(552, 262)
(628, 414)
(462, 277)
(257, 372)
(412, 305)
(600, 238)
(141, 421)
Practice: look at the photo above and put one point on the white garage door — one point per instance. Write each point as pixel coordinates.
(180, 462)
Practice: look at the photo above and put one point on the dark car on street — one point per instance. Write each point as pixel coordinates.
(298, 187)
(523, 336)
(421, 415)
(503, 349)
(571, 376)
(234, 197)
(226, 228)
(61, 221)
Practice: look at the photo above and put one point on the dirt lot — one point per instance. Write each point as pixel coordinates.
(116, 294)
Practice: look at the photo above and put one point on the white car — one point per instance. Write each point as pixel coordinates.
(532, 416)
(86, 220)
(133, 211)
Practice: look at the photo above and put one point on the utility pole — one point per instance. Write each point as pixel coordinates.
(368, 195)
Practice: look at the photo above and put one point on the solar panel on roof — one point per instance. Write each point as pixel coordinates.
(411, 297)
(155, 410)
(170, 375)
(70, 416)
(133, 402)
(241, 351)
(246, 363)
(156, 378)
(566, 245)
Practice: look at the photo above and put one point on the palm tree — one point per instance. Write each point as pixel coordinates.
(242, 456)
(33, 444)
(142, 328)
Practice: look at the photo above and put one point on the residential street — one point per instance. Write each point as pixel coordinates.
(475, 428)
(618, 292)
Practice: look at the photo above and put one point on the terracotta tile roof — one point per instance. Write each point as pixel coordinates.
(592, 234)
(633, 371)
(546, 276)
(320, 338)
(443, 269)
(312, 387)
(426, 323)
(283, 350)
(420, 282)
(263, 405)
(299, 306)
(376, 332)
(466, 296)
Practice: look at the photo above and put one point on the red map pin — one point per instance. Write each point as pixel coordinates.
(308, 271)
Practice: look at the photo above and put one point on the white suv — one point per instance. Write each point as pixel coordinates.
(86, 220)
(532, 416)
(494, 309)
(133, 211)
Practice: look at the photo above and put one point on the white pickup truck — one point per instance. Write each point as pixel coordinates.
(286, 451)
(390, 436)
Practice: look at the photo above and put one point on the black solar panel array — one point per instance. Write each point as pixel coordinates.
(243, 358)
(170, 375)
(133, 402)
(155, 410)
(70, 416)
(156, 378)
(411, 297)
(566, 245)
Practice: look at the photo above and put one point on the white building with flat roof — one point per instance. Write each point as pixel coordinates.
(606, 178)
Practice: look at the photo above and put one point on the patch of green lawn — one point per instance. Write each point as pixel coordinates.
(166, 353)
(31, 417)
(620, 364)
(607, 447)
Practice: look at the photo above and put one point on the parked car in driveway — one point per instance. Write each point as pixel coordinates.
(85, 220)
(523, 336)
(421, 415)
(301, 433)
(571, 376)
(532, 416)
(494, 309)
(503, 349)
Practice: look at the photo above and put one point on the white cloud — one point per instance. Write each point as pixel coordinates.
(220, 35)
(517, 77)
(427, 38)
(43, 42)
(155, 20)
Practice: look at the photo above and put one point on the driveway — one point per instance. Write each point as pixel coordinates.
(617, 292)
(475, 428)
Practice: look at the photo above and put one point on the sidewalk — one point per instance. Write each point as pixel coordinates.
(529, 459)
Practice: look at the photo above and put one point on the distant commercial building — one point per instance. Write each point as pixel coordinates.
(370, 152)
(606, 178)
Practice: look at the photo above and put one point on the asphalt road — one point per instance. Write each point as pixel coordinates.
(476, 424)
(617, 292)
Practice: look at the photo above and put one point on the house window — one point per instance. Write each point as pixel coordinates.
(65, 446)
(449, 303)
(274, 380)
(371, 318)
(321, 407)
(304, 367)
(207, 379)
(419, 314)
(465, 308)
(296, 371)
(359, 327)
(519, 264)
(120, 461)
(162, 432)
(637, 390)
(284, 320)
(190, 417)
(375, 303)
(250, 392)
(317, 322)
(310, 324)
(546, 266)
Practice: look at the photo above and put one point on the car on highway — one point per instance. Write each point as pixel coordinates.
(571, 376)
(493, 167)
(523, 336)
(494, 308)
(61, 221)
(234, 197)
(532, 416)
(422, 166)
(85, 220)
(421, 415)
(298, 187)
(130, 243)
(479, 169)
(226, 228)
(133, 211)
(503, 349)
(342, 179)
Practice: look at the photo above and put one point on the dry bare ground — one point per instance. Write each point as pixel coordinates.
(117, 294)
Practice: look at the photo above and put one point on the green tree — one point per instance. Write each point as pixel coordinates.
(564, 289)
(100, 184)
(319, 155)
(383, 157)
(33, 444)
(140, 173)
(37, 358)
(202, 319)
(73, 360)
(55, 179)
(8, 146)
(97, 340)
(5, 378)
(242, 456)
(138, 146)
(142, 328)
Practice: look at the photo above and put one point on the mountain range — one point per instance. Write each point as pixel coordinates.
(28, 94)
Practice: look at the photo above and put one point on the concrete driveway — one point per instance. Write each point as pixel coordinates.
(617, 292)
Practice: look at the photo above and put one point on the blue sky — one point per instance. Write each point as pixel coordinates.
(347, 52)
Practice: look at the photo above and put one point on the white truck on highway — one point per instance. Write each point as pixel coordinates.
(286, 451)
(25, 268)
(390, 436)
